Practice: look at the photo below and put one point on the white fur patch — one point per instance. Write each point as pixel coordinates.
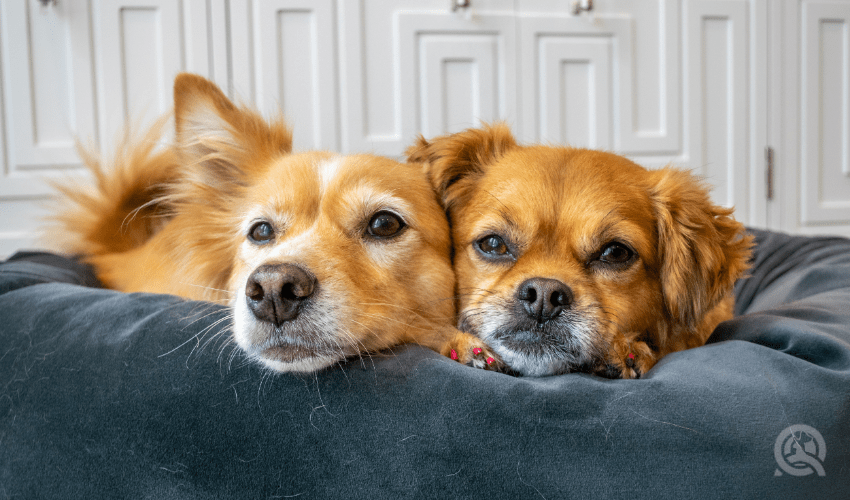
(580, 334)
(328, 171)
(201, 123)
(246, 327)
(292, 249)
(303, 366)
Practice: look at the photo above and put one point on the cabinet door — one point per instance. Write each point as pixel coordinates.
(284, 57)
(46, 101)
(416, 66)
(607, 78)
(726, 78)
(660, 81)
(814, 147)
(568, 73)
(140, 46)
(77, 70)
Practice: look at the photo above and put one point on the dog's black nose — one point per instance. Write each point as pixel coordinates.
(544, 298)
(275, 292)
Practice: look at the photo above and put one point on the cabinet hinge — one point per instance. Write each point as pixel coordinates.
(768, 171)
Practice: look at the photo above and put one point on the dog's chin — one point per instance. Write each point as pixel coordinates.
(284, 351)
(557, 348)
(303, 365)
(528, 364)
(297, 346)
(533, 360)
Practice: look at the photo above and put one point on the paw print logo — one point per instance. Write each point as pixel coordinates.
(800, 451)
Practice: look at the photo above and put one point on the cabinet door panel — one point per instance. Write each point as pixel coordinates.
(81, 70)
(718, 41)
(825, 95)
(642, 91)
(567, 92)
(140, 46)
(813, 107)
(454, 74)
(48, 85)
(284, 56)
(140, 50)
(411, 66)
(46, 102)
(457, 82)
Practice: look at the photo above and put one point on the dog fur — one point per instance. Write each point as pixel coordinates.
(320, 256)
(571, 259)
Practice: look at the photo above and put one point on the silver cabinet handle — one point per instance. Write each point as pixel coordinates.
(460, 4)
(582, 5)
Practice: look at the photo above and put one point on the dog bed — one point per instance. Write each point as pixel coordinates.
(112, 395)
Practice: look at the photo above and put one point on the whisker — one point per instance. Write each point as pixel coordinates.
(207, 315)
(228, 292)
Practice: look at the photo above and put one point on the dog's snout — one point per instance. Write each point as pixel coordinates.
(275, 292)
(544, 298)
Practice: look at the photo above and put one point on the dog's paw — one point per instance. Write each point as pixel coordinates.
(469, 350)
(632, 358)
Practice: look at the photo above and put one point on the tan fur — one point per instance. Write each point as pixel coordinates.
(177, 219)
(117, 212)
(558, 209)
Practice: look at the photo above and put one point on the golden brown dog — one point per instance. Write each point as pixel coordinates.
(320, 256)
(577, 260)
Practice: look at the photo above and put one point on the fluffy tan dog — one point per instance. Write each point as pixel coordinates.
(577, 260)
(320, 256)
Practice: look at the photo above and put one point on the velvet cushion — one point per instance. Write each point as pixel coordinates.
(112, 395)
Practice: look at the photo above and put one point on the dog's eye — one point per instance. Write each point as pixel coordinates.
(261, 232)
(616, 253)
(492, 246)
(385, 225)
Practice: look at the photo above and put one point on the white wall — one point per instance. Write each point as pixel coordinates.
(704, 84)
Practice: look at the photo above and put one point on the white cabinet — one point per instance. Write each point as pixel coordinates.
(704, 84)
(607, 79)
(284, 55)
(80, 70)
(724, 67)
(812, 126)
(411, 66)
(139, 45)
(47, 96)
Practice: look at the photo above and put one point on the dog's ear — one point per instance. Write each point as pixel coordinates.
(703, 250)
(225, 139)
(452, 158)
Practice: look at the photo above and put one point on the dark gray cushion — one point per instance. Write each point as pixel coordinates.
(112, 395)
